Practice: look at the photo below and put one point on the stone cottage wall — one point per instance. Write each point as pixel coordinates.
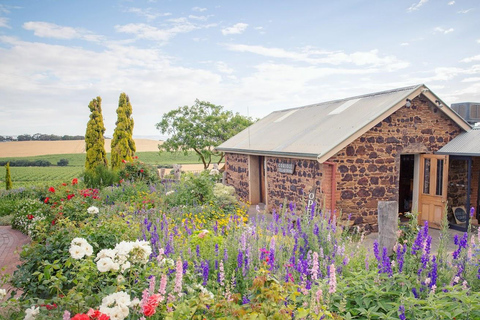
(236, 168)
(457, 184)
(286, 187)
(368, 168)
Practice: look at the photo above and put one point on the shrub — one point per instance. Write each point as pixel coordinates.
(62, 163)
(99, 177)
(192, 190)
(138, 171)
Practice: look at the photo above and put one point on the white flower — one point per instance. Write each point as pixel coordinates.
(135, 302)
(116, 305)
(3, 293)
(92, 210)
(170, 192)
(77, 252)
(106, 253)
(105, 264)
(125, 266)
(79, 247)
(120, 279)
(31, 313)
(214, 172)
(141, 251)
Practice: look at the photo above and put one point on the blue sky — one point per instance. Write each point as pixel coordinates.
(252, 57)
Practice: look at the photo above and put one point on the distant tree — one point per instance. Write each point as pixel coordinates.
(201, 128)
(8, 178)
(94, 139)
(2, 138)
(62, 163)
(24, 137)
(123, 145)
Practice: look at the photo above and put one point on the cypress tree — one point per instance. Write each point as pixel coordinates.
(123, 145)
(8, 178)
(94, 139)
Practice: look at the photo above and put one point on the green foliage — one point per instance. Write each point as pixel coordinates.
(224, 195)
(62, 163)
(8, 178)
(42, 176)
(94, 139)
(194, 189)
(29, 215)
(26, 163)
(201, 128)
(123, 145)
(99, 177)
(135, 170)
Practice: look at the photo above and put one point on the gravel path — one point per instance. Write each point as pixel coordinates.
(11, 242)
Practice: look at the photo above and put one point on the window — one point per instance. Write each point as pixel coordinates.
(475, 111)
(426, 177)
(439, 186)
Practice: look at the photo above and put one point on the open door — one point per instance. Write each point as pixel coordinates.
(257, 192)
(433, 189)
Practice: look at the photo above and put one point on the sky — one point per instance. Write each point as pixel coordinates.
(251, 57)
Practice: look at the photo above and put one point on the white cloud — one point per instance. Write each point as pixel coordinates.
(201, 18)
(316, 57)
(145, 31)
(235, 29)
(223, 67)
(442, 30)
(52, 30)
(466, 11)
(471, 79)
(416, 6)
(404, 44)
(148, 13)
(4, 23)
(451, 3)
(198, 9)
(470, 59)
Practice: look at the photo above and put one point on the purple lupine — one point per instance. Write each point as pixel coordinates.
(417, 245)
(401, 257)
(205, 271)
(415, 293)
(197, 250)
(433, 273)
(316, 230)
(185, 266)
(462, 243)
(240, 259)
(376, 250)
(472, 212)
(245, 300)
(401, 310)
(386, 264)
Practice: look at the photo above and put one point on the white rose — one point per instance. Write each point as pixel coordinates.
(31, 313)
(77, 252)
(3, 293)
(105, 264)
(92, 210)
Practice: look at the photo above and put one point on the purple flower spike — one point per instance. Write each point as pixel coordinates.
(401, 310)
(472, 212)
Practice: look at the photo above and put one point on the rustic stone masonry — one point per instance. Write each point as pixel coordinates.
(457, 185)
(236, 167)
(286, 187)
(368, 168)
(475, 202)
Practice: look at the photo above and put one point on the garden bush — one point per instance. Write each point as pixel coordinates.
(209, 261)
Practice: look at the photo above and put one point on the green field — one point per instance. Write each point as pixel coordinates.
(54, 175)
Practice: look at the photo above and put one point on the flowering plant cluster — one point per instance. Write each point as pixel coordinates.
(128, 261)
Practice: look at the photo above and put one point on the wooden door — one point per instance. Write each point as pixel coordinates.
(261, 165)
(433, 189)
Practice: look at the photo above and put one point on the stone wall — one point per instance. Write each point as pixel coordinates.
(368, 168)
(236, 168)
(286, 187)
(457, 185)
(475, 202)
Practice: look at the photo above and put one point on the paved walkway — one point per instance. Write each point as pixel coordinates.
(11, 242)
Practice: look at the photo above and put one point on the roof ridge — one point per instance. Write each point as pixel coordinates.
(355, 97)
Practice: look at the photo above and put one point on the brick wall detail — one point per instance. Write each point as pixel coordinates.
(236, 168)
(286, 187)
(368, 168)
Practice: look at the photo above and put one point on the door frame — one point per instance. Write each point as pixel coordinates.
(257, 179)
(431, 205)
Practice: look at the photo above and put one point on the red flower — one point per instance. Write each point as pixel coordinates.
(81, 316)
(141, 170)
(123, 161)
(53, 222)
(49, 306)
(70, 196)
(64, 184)
(74, 181)
(51, 189)
(95, 314)
(148, 310)
(29, 216)
(46, 199)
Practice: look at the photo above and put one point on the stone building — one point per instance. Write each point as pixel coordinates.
(348, 154)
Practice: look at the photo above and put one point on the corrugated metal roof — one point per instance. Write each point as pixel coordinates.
(465, 144)
(313, 130)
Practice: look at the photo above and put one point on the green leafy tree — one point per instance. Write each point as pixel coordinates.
(94, 139)
(123, 145)
(8, 178)
(201, 128)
